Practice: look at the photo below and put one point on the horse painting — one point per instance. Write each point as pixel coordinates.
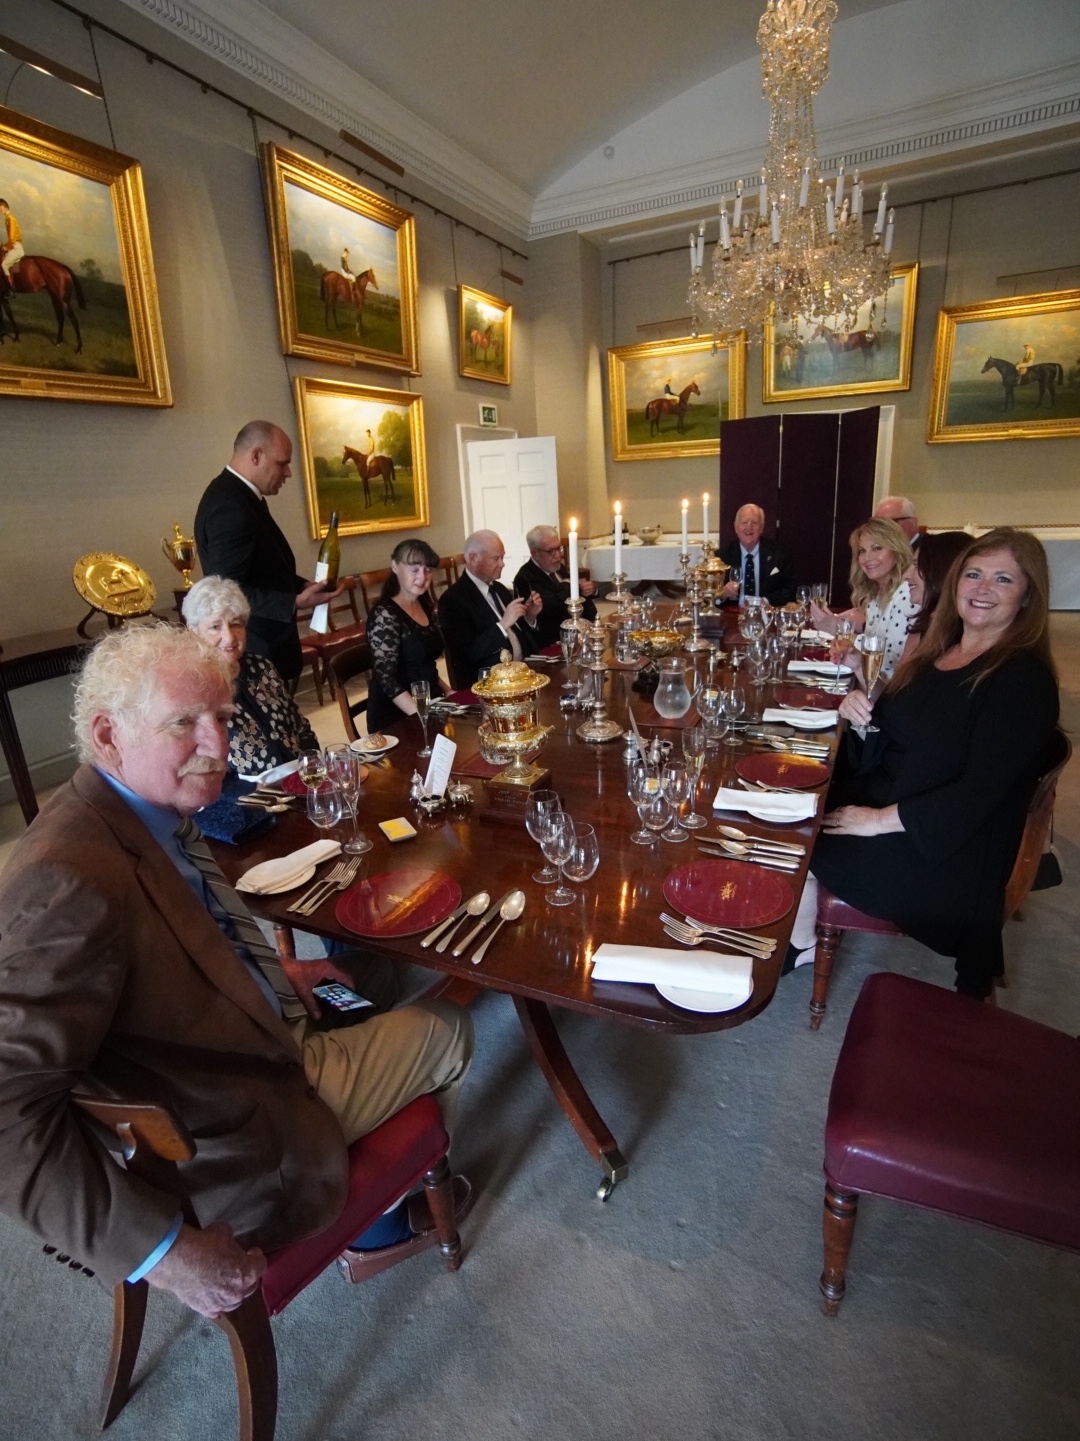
(334, 287)
(1047, 376)
(482, 340)
(39, 272)
(369, 466)
(866, 341)
(667, 405)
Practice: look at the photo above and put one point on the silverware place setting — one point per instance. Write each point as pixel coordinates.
(759, 843)
(472, 907)
(342, 875)
(771, 861)
(489, 915)
(692, 933)
(510, 910)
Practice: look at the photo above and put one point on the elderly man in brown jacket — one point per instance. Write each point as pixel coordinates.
(120, 972)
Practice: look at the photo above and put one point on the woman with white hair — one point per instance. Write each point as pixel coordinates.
(267, 729)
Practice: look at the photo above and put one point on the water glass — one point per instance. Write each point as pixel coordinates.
(325, 805)
(656, 816)
(694, 745)
(557, 846)
(584, 857)
(711, 711)
(421, 694)
(541, 806)
(343, 768)
(675, 783)
(643, 782)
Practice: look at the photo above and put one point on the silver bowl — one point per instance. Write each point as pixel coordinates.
(649, 534)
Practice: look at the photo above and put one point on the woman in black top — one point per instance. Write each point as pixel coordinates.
(404, 635)
(927, 815)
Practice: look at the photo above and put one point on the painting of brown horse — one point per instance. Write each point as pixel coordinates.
(41, 272)
(334, 287)
(864, 341)
(667, 405)
(369, 466)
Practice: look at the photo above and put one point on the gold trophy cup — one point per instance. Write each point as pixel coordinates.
(180, 550)
(511, 727)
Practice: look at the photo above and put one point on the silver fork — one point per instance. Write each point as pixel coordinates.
(331, 875)
(695, 938)
(345, 874)
(776, 790)
(763, 943)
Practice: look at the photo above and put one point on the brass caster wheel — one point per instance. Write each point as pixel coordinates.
(605, 1188)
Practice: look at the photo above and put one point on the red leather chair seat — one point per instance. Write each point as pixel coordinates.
(383, 1166)
(832, 911)
(945, 1103)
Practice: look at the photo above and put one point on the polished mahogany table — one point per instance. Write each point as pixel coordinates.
(544, 960)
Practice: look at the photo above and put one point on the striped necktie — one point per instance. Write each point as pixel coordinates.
(238, 925)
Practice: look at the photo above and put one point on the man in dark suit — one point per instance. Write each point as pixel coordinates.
(758, 566)
(480, 618)
(127, 966)
(545, 574)
(238, 538)
(900, 509)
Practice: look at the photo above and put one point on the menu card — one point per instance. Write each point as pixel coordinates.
(443, 752)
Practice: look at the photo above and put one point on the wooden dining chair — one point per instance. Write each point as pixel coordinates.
(371, 584)
(347, 665)
(457, 563)
(962, 1109)
(444, 576)
(835, 916)
(346, 627)
(383, 1166)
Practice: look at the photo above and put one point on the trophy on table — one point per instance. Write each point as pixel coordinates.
(180, 549)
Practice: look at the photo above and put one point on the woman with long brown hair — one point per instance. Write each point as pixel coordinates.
(932, 811)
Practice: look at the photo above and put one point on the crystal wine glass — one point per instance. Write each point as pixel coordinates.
(570, 645)
(557, 846)
(343, 768)
(657, 813)
(541, 806)
(325, 805)
(421, 694)
(675, 783)
(694, 745)
(584, 856)
(642, 784)
(311, 767)
(733, 704)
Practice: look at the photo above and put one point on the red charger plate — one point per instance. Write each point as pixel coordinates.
(806, 697)
(800, 772)
(398, 903)
(729, 893)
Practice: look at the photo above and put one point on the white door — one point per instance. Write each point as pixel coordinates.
(513, 485)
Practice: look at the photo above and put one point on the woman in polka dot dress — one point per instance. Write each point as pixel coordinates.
(882, 601)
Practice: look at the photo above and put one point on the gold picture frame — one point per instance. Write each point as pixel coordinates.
(86, 328)
(707, 385)
(344, 267)
(484, 336)
(997, 362)
(811, 359)
(376, 483)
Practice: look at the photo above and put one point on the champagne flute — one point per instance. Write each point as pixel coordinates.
(570, 645)
(584, 856)
(642, 784)
(675, 783)
(873, 653)
(557, 846)
(694, 744)
(311, 767)
(539, 809)
(841, 642)
(421, 694)
(325, 805)
(343, 768)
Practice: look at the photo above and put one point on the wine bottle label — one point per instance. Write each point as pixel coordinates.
(322, 570)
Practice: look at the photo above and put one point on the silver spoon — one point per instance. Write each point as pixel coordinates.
(749, 852)
(474, 907)
(733, 833)
(510, 909)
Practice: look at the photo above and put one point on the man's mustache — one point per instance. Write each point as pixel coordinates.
(202, 766)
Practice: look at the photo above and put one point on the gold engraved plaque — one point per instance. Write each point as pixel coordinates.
(113, 584)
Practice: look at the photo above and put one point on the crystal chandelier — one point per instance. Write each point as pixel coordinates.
(804, 252)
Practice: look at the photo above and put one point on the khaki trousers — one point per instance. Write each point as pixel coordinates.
(365, 1073)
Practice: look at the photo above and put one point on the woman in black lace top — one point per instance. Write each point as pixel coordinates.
(404, 635)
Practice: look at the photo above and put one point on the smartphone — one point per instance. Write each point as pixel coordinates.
(341, 1007)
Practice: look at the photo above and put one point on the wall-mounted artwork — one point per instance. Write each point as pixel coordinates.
(1008, 369)
(79, 316)
(814, 358)
(344, 267)
(363, 453)
(668, 397)
(484, 323)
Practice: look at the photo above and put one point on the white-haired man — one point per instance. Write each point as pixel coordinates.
(758, 566)
(545, 573)
(900, 509)
(481, 618)
(128, 966)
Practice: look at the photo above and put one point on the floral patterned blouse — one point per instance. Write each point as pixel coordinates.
(267, 729)
(403, 651)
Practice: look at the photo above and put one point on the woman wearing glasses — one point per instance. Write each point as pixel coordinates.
(404, 636)
(546, 574)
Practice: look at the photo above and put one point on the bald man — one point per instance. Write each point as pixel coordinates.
(900, 509)
(758, 566)
(480, 618)
(239, 539)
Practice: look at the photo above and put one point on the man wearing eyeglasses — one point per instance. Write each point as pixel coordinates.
(546, 574)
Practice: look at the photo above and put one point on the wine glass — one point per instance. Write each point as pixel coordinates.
(642, 784)
(343, 768)
(541, 806)
(767, 612)
(311, 767)
(675, 783)
(711, 712)
(802, 595)
(841, 642)
(584, 856)
(733, 708)
(657, 813)
(694, 744)
(325, 805)
(820, 593)
(570, 645)
(421, 694)
(557, 846)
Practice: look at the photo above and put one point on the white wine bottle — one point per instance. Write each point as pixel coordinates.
(326, 569)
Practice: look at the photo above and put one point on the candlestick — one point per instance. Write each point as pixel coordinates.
(763, 201)
(685, 519)
(618, 535)
(879, 223)
(575, 594)
(705, 516)
(725, 233)
(839, 188)
(889, 232)
(856, 198)
(804, 193)
(693, 252)
(737, 219)
(830, 213)
(775, 223)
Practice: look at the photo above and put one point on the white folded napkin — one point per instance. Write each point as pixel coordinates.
(271, 778)
(777, 805)
(812, 718)
(816, 667)
(275, 875)
(697, 971)
(814, 637)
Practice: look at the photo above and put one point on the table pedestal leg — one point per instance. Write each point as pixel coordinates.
(547, 1047)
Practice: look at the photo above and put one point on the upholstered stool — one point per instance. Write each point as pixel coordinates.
(941, 1102)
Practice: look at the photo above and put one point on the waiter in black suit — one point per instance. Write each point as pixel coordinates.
(480, 618)
(545, 574)
(238, 538)
(758, 566)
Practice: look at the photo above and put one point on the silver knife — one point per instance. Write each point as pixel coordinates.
(770, 862)
(434, 935)
(489, 915)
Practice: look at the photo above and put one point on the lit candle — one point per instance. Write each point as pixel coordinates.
(830, 213)
(737, 220)
(804, 193)
(889, 232)
(725, 233)
(574, 592)
(705, 516)
(763, 201)
(618, 537)
(879, 223)
(685, 531)
(775, 224)
(839, 188)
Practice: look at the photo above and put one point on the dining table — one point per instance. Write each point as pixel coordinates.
(543, 961)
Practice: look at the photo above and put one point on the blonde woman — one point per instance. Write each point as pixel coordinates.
(881, 597)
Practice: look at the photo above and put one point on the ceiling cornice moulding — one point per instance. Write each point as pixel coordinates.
(248, 39)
